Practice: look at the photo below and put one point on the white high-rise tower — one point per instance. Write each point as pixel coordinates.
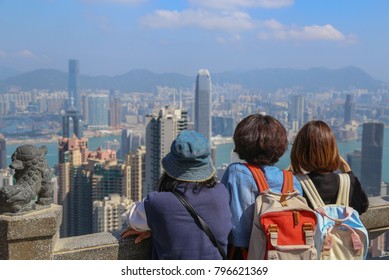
(161, 130)
(203, 104)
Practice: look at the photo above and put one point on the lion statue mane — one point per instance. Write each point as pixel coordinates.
(33, 187)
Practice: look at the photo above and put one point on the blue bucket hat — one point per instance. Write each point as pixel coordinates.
(189, 158)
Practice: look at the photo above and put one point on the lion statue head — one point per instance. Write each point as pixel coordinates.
(33, 181)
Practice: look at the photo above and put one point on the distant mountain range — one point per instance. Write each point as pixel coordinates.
(146, 81)
(6, 72)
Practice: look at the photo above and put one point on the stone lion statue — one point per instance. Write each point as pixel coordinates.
(33, 187)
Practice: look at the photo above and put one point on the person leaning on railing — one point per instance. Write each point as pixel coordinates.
(175, 234)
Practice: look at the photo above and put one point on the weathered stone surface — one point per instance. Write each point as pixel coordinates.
(376, 219)
(30, 236)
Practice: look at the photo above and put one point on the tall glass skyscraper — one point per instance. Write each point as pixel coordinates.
(98, 111)
(74, 84)
(203, 104)
(372, 151)
(349, 109)
(296, 112)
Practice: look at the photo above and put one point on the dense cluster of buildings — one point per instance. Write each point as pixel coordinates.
(96, 188)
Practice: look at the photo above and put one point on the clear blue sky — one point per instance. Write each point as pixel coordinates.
(111, 37)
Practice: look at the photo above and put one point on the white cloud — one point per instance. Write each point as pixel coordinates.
(226, 21)
(273, 24)
(18, 54)
(232, 4)
(272, 29)
(317, 32)
(26, 54)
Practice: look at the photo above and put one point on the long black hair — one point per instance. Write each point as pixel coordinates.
(169, 184)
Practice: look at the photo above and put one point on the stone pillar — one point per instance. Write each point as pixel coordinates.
(30, 236)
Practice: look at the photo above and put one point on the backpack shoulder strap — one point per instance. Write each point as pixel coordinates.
(288, 185)
(259, 178)
(310, 191)
(344, 190)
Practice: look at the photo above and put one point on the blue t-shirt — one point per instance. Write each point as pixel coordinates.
(243, 191)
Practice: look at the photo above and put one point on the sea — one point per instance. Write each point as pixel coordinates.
(223, 151)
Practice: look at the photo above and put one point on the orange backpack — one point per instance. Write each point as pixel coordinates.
(284, 225)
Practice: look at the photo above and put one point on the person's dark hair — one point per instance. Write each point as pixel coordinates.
(169, 184)
(260, 139)
(315, 149)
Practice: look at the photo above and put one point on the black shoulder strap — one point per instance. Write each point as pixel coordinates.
(200, 222)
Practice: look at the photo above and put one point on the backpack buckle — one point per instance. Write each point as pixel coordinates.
(272, 228)
(307, 227)
(283, 200)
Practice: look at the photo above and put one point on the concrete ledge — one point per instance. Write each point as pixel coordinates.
(30, 236)
(100, 246)
(376, 219)
(112, 246)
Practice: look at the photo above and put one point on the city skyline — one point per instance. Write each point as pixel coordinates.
(111, 37)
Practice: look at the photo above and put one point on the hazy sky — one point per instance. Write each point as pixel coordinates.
(111, 37)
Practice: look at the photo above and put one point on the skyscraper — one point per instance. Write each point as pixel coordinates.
(108, 177)
(72, 152)
(349, 109)
(131, 141)
(372, 150)
(135, 161)
(74, 83)
(3, 152)
(80, 217)
(203, 104)
(296, 111)
(108, 213)
(84, 176)
(115, 111)
(98, 111)
(161, 130)
(72, 124)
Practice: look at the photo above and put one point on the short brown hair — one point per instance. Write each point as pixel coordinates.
(260, 139)
(315, 149)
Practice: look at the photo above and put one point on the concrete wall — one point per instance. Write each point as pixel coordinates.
(35, 236)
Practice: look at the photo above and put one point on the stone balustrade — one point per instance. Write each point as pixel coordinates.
(35, 236)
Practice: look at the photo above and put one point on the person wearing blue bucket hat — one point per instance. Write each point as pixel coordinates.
(188, 170)
(189, 158)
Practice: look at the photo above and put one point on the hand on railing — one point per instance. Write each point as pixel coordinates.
(141, 234)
